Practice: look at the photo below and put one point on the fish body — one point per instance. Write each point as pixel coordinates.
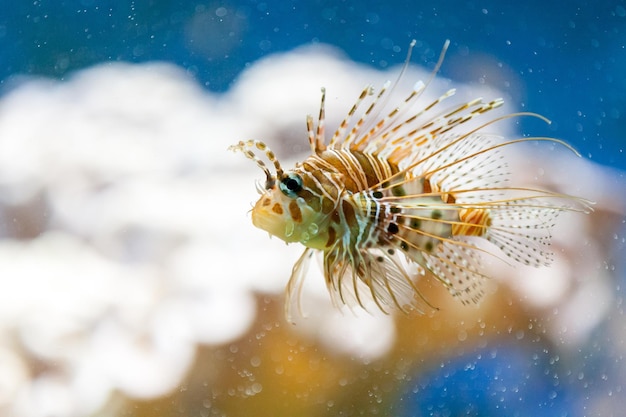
(394, 197)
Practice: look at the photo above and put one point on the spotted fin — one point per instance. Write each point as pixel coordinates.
(521, 229)
(457, 265)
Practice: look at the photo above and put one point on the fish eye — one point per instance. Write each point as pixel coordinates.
(291, 184)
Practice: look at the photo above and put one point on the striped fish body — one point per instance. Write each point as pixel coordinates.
(390, 199)
(340, 207)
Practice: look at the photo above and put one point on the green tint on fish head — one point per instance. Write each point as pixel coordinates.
(284, 212)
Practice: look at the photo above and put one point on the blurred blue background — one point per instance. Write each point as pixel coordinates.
(566, 60)
(569, 55)
(498, 381)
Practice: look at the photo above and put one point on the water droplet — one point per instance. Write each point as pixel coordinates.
(256, 388)
(462, 335)
(221, 12)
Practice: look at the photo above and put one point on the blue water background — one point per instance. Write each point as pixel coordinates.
(569, 56)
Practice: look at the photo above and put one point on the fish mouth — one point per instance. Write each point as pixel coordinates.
(262, 219)
(267, 217)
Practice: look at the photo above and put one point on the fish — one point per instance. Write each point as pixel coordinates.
(398, 196)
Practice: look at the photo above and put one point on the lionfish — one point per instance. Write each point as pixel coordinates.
(393, 197)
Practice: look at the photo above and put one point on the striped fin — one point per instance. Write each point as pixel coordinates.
(373, 277)
(371, 127)
(411, 141)
(383, 127)
(343, 142)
